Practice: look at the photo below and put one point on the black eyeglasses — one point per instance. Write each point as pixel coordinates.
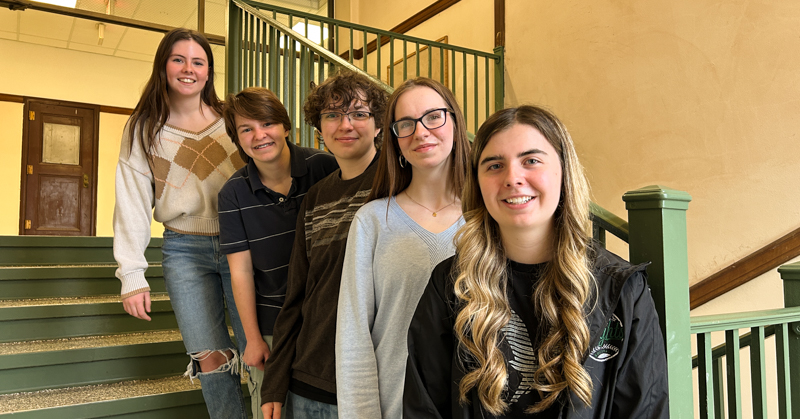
(336, 117)
(432, 119)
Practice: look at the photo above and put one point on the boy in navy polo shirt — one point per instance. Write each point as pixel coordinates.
(258, 209)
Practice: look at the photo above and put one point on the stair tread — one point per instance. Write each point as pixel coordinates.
(160, 296)
(52, 345)
(19, 402)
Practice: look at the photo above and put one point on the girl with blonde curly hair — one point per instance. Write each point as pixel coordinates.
(530, 318)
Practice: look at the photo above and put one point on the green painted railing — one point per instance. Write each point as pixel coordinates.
(285, 50)
(715, 395)
(656, 232)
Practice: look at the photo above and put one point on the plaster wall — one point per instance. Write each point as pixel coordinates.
(700, 96)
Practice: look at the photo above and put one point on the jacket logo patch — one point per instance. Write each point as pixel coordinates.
(610, 341)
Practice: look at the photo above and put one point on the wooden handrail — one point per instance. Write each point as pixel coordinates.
(746, 269)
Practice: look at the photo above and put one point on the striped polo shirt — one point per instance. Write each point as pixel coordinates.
(253, 217)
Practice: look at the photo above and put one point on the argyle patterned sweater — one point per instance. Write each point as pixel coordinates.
(179, 190)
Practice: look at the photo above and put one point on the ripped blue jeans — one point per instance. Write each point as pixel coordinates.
(198, 281)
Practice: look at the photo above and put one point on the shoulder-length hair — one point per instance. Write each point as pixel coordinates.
(152, 111)
(560, 295)
(390, 177)
(256, 103)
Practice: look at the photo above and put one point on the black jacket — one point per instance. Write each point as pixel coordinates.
(628, 369)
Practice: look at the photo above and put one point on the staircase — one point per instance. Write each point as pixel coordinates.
(67, 347)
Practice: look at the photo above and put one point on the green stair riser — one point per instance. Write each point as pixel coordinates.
(64, 288)
(185, 404)
(104, 271)
(34, 378)
(21, 250)
(65, 327)
(73, 310)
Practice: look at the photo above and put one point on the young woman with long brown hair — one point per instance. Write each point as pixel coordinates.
(395, 241)
(530, 318)
(175, 157)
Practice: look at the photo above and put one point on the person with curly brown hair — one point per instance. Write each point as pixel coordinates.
(347, 109)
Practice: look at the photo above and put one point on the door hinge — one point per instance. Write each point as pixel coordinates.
(32, 115)
(30, 169)
(27, 224)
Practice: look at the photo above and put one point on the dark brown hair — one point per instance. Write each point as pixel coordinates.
(256, 103)
(152, 111)
(390, 178)
(341, 89)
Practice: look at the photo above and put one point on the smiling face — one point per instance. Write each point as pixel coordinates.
(350, 140)
(262, 141)
(519, 175)
(187, 69)
(425, 148)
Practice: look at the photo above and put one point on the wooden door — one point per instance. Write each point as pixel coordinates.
(59, 166)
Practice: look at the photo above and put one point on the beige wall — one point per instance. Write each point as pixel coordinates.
(696, 95)
(699, 96)
(10, 165)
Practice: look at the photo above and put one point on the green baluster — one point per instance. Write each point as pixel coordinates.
(233, 51)
(791, 298)
(657, 221)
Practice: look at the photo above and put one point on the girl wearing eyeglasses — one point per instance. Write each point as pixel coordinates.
(396, 239)
(529, 318)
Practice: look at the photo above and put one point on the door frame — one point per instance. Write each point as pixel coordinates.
(26, 142)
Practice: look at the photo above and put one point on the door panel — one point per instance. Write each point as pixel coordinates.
(59, 191)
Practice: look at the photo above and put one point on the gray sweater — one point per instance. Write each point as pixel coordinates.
(387, 264)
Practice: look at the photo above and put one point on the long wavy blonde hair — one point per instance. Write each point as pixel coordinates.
(559, 296)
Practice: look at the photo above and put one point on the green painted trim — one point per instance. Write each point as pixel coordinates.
(499, 79)
(47, 358)
(89, 366)
(22, 289)
(233, 49)
(656, 196)
(69, 272)
(73, 310)
(657, 224)
(64, 241)
(179, 404)
(741, 320)
(58, 328)
(790, 272)
(111, 408)
(609, 222)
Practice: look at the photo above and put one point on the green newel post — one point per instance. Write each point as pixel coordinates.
(499, 79)
(791, 298)
(657, 223)
(233, 49)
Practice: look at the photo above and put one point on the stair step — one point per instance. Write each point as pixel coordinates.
(56, 318)
(39, 365)
(36, 250)
(172, 397)
(59, 281)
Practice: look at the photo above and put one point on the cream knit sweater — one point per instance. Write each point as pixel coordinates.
(188, 170)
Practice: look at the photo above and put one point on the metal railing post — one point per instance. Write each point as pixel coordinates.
(790, 274)
(657, 221)
(499, 79)
(233, 49)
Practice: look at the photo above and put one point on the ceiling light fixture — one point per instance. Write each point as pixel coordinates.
(62, 3)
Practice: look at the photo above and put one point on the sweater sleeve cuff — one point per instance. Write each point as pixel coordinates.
(133, 283)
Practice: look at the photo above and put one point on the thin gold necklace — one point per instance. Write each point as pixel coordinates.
(423, 206)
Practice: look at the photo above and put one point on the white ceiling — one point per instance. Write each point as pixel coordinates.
(43, 28)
